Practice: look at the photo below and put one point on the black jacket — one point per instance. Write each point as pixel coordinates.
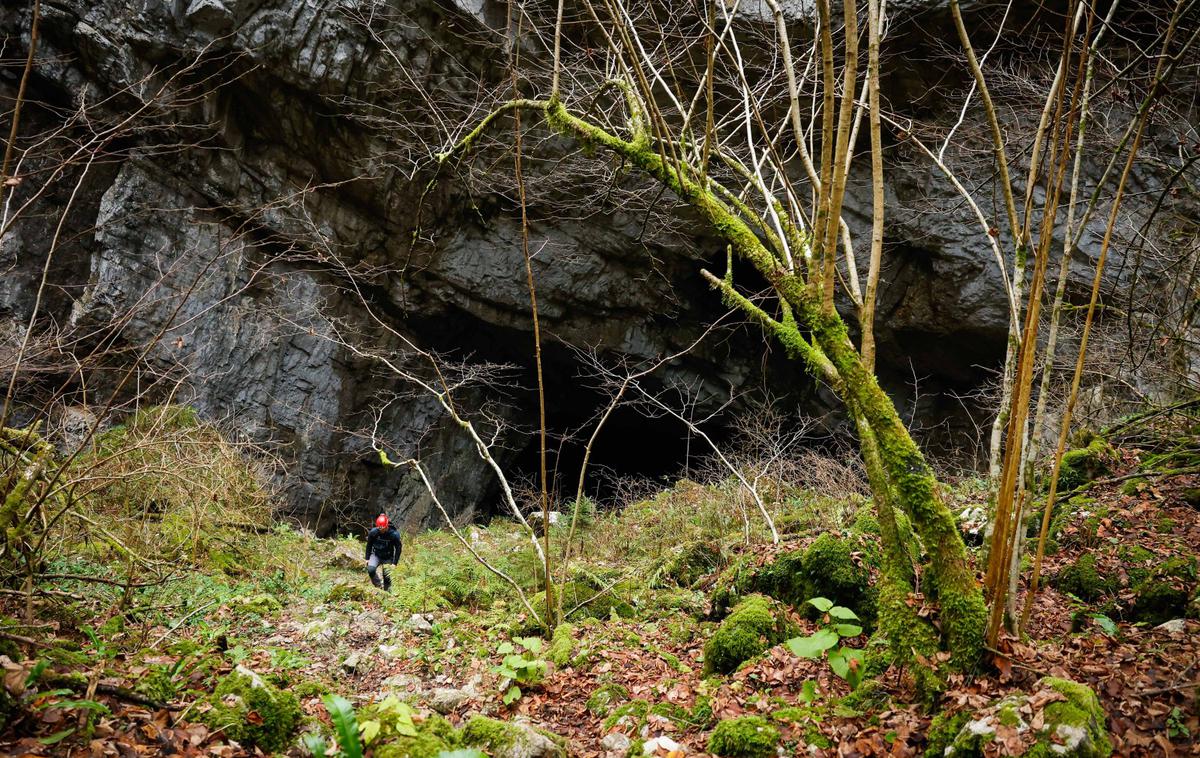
(384, 543)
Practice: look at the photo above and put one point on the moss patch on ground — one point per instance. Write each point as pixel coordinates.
(744, 737)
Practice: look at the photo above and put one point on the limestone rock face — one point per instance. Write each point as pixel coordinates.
(267, 229)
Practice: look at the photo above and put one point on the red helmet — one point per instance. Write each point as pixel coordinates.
(381, 521)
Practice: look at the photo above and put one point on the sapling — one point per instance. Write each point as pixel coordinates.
(845, 661)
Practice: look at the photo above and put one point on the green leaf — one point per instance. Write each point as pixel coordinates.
(532, 644)
(345, 723)
(1104, 622)
(83, 705)
(821, 604)
(57, 737)
(469, 752)
(404, 720)
(808, 691)
(513, 695)
(316, 745)
(506, 672)
(813, 645)
(35, 673)
(846, 662)
(369, 730)
(505, 648)
(843, 613)
(847, 630)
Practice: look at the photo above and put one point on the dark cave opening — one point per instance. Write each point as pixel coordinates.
(634, 444)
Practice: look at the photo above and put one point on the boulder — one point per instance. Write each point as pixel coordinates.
(513, 739)
(1058, 718)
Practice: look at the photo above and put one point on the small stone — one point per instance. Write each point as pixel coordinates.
(1174, 626)
(420, 623)
(651, 747)
(350, 665)
(447, 699)
(615, 742)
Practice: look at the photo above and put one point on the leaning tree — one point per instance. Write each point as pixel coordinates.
(749, 119)
(713, 107)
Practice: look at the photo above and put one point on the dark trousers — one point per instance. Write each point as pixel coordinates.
(381, 575)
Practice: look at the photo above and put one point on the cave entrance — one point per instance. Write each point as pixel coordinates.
(632, 452)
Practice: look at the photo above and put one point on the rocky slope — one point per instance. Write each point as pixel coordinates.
(253, 167)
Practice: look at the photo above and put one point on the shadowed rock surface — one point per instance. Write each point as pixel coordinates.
(265, 173)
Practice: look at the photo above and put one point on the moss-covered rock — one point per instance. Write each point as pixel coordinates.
(942, 730)
(583, 600)
(250, 711)
(691, 562)
(1164, 594)
(1084, 464)
(1072, 724)
(605, 698)
(342, 592)
(1079, 722)
(833, 567)
(755, 625)
(833, 571)
(512, 739)
(1138, 561)
(158, 684)
(261, 605)
(628, 717)
(1083, 580)
(744, 737)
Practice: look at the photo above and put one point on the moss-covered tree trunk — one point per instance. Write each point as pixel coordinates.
(818, 337)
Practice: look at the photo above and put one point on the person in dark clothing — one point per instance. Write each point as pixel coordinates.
(383, 549)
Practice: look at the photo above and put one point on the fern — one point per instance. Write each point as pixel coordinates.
(341, 712)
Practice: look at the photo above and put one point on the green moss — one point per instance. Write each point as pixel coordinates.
(942, 730)
(605, 697)
(1164, 594)
(424, 745)
(693, 561)
(832, 567)
(261, 605)
(868, 697)
(1134, 486)
(1139, 562)
(237, 696)
(754, 626)
(1083, 580)
(346, 591)
(582, 600)
(158, 684)
(1080, 711)
(1085, 464)
(677, 714)
(502, 738)
(310, 688)
(561, 645)
(744, 737)
(832, 570)
(628, 716)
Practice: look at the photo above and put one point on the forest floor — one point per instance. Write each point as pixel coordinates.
(305, 619)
